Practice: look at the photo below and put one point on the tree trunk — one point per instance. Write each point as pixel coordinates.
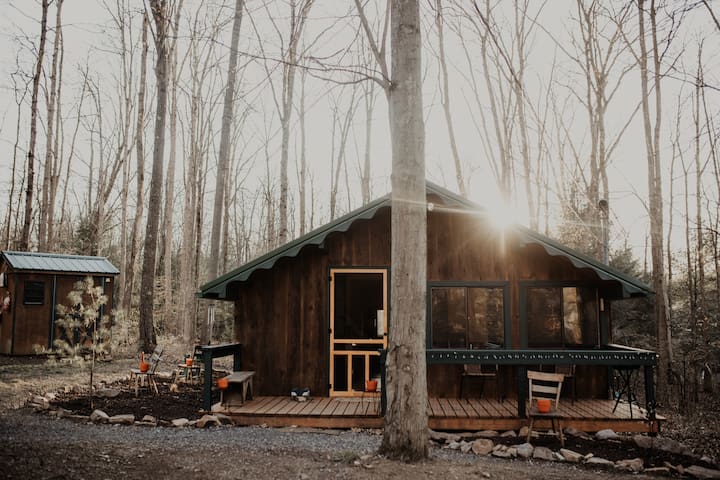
(224, 152)
(652, 139)
(406, 427)
(159, 10)
(46, 217)
(29, 187)
(445, 99)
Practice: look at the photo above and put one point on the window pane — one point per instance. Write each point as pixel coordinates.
(544, 317)
(486, 328)
(34, 293)
(571, 313)
(448, 317)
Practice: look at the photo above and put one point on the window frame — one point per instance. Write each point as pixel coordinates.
(460, 284)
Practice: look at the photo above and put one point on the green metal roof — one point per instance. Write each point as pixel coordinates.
(217, 288)
(53, 262)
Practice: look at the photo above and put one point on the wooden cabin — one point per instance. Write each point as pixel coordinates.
(31, 287)
(316, 312)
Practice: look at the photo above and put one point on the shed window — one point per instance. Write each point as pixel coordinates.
(559, 317)
(467, 317)
(34, 293)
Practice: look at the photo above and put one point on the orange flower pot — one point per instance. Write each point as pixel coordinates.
(222, 383)
(371, 385)
(144, 366)
(543, 405)
(188, 362)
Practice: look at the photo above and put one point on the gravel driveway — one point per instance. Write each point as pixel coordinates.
(36, 446)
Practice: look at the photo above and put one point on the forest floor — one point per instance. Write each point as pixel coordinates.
(56, 448)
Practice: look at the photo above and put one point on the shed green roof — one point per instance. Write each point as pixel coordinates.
(54, 262)
(217, 288)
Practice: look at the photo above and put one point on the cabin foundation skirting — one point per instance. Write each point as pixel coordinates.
(443, 414)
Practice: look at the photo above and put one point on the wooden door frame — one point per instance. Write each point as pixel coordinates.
(385, 272)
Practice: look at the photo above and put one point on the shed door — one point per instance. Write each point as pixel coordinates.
(358, 328)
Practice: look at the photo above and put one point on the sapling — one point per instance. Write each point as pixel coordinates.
(83, 327)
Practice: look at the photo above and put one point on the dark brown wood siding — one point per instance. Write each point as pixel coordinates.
(26, 328)
(281, 315)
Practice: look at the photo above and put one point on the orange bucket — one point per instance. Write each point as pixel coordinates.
(543, 405)
(223, 383)
(188, 362)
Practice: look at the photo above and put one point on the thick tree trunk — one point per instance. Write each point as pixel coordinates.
(147, 284)
(406, 428)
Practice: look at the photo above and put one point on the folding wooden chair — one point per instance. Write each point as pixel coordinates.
(141, 378)
(545, 386)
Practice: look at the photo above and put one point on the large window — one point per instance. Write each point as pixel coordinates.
(560, 317)
(467, 317)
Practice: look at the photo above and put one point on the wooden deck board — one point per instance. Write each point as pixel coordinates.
(444, 414)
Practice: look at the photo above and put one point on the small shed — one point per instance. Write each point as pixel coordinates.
(32, 285)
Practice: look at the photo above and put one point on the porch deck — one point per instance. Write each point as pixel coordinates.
(588, 415)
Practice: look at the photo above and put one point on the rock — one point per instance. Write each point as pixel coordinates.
(40, 402)
(180, 422)
(523, 432)
(701, 472)
(454, 445)
(51, 396)
(524, 450)
(574, 432)
(124, 419)
(60, 413)
(663, 444)
(501, 451)
(149, 419)
(600, 462)
(708, 460)
(571, 456)
(543, 453)
(513, 452)
(207, 420)
(465, 447)
(482, 446)
(109, 392)
(657, 471)
(509, 433)
(634, 465)
(558, 457)
(98, 416)
(607, 434)
(487, 434)
(223, 419)
(444, 436)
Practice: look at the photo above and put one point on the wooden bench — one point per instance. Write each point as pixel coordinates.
(239, 389)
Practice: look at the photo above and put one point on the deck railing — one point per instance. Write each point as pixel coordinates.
(612, 356)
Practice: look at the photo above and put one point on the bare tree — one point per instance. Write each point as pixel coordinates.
(445, 92)
(224, 153)
(652, 144)
(405, 435)
(159, 10)
(45, 230)
(30, 184)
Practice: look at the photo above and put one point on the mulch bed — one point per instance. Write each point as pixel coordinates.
(186, 402)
